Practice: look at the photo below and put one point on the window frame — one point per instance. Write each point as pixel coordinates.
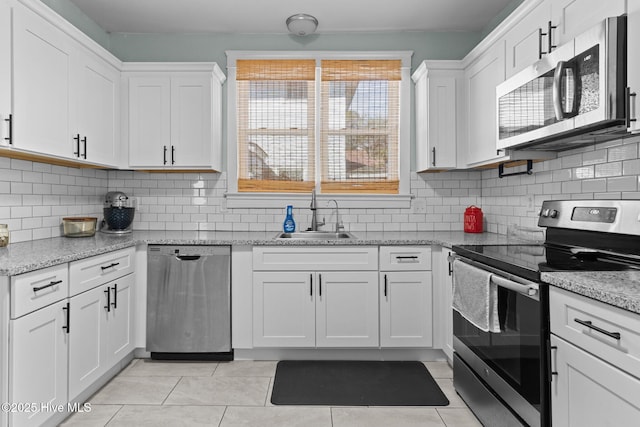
(235, 199)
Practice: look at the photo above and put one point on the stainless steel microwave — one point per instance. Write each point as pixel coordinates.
(574, 96)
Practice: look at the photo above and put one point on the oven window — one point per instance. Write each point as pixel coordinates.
(514, 353)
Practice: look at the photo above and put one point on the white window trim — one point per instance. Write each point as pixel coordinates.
(236, 199)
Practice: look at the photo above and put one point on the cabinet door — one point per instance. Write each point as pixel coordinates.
(587, 391)
(442, 299)
(633, 61)
(347, 309)
(87, 339)
(284, 309)
(406, 308)
(573, 17)
(149, 121)
(38, 362)
(120, 319)
(42, 62)
(97, 101)
(524, 43)
(5, 71)
(191, 121)
(482, 78)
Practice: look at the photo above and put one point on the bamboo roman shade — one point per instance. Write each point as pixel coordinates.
(358, 125)
(360, 118)
(276, 125)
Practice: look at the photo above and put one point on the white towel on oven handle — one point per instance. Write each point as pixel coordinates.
(475, 296)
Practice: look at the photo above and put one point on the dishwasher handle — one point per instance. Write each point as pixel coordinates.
(187, 257)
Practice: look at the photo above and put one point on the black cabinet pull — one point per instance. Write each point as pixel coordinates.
(108, 292)
(114, 304)
(84, 142)
(540, 51)
(164, 155)
(77, 140)
(590, 325)
(67, 311)
(319, 284)
(113, 264)
(10, 122)
(173, 155)
(407, 257)
(39, 288)
(629, 95)
(550, 29)
(433, 152)
(385, 285)
(311, 284)
(450, 266)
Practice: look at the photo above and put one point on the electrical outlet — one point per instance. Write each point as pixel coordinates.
(419, 205)
(531, 205)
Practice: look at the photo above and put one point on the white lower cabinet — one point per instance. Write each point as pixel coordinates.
(406, 309)
(587, 391)
(315, 309)
(595, 362)
(443, 298)
(38, 364)
(101, 331)
(347, 309)
(315, 297)
(284, 312)
(63, 341)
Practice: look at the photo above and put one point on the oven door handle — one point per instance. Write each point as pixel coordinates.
(529, 290)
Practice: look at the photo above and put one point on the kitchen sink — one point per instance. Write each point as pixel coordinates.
(316, 235)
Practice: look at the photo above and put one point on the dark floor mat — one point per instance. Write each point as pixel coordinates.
(355, 383)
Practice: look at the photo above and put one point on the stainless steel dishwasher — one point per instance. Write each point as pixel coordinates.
(188, 302)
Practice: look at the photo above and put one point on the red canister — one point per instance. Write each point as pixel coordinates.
(473, 220)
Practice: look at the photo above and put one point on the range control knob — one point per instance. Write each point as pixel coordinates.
(553, 213)
(545, 213)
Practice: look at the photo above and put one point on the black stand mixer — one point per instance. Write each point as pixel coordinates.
(118, 213)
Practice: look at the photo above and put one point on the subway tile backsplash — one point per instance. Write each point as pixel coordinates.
(34, 196)
(607, 171)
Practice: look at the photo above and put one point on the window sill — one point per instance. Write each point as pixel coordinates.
(302, 200)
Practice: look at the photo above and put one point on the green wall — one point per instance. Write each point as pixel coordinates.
(73, 14)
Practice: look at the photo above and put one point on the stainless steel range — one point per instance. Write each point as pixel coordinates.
(502, 371)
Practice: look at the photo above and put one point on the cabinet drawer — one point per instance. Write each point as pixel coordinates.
(36, 289)
(407, 258)
(88, 273)
(567, 310)
(296, 258)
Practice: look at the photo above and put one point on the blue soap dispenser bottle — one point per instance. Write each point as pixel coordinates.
(289, 223)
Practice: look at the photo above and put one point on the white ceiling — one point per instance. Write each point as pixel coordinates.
(269, 16)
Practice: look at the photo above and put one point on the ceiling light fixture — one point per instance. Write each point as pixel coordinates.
(302, 24)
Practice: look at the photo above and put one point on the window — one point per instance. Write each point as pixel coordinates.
(336, 122)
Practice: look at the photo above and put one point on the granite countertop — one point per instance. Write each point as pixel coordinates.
(23, 257)
(618, 288)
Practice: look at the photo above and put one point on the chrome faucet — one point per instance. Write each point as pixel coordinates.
(314, 215)
(339, 225)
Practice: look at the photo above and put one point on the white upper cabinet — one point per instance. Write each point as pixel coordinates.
(5, 72)
(42, 61)
(98, 107)
(633, 64)
(174, 115)
(528, 41)
(573, 17)
(439, 100)
(65, 96)
(552, 23)
(482, 77)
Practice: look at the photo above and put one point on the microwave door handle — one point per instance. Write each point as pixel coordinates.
(557, 90)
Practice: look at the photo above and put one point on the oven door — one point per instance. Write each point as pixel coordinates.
(509, 360)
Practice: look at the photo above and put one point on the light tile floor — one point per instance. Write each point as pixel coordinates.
(228, 394)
